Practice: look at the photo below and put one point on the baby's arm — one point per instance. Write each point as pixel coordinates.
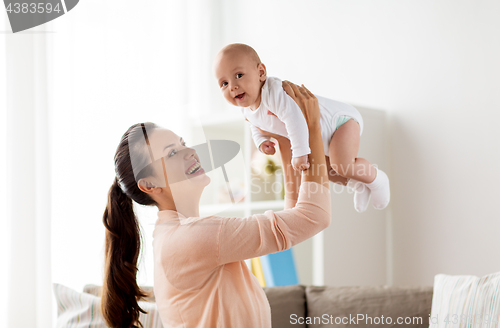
(259, 139)
(291, 177)
(290, 114)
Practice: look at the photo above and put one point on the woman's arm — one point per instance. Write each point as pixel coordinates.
(291, 176)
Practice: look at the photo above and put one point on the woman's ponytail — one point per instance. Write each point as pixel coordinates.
(122, 246)
(120, 292)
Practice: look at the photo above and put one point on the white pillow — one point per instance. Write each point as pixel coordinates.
(80, 310)
(465, 301)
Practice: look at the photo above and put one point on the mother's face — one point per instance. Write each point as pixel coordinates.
(176, 165)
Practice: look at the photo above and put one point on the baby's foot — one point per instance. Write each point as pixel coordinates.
(381, 193)
(361, 194)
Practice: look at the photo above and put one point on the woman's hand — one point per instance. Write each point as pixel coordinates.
(307, 102)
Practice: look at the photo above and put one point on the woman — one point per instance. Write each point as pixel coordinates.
(201, 279)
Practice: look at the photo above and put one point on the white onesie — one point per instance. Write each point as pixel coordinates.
(278, 113)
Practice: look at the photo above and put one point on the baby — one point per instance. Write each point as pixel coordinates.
(243, 80)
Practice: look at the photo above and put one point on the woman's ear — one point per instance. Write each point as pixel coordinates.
(148, 187)
(262, 72)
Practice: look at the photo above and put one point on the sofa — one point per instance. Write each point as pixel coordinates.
(313, 306)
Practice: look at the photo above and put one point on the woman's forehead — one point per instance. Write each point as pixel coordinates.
(161, 139)
(162, 134)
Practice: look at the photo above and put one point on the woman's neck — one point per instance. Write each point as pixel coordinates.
(190, 210)
(189, 206)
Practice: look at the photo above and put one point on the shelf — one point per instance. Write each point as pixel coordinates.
(242, 206)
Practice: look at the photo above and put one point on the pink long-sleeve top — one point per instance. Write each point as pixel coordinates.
(200, 277)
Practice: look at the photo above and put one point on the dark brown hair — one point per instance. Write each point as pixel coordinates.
(120, 292)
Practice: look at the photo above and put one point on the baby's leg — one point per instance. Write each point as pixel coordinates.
(333, 176)
(343, 151)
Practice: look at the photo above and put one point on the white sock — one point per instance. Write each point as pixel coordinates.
(381, 193)
(361, 194)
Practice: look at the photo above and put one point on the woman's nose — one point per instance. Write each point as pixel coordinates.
(190, 152)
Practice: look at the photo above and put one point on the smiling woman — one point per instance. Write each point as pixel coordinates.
(153, 166)
(177, 180)
(200, 277)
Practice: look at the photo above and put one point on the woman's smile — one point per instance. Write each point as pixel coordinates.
(195, 168)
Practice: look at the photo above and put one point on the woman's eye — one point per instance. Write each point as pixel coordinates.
(173, 152)
(239, 75)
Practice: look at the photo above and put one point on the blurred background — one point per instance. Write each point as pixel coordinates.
(425, 73)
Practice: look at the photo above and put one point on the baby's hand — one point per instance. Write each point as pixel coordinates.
(300, 163)
(267, 147)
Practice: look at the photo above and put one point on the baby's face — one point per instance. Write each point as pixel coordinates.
(240, 79)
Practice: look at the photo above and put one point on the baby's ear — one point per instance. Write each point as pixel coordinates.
(262, 72)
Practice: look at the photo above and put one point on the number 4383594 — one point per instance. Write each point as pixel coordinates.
(32, 8)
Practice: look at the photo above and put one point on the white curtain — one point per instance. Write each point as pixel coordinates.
(26, 194)
(5, 240)
(69, 89)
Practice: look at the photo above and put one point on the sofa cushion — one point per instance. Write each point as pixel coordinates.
(286, 303)
(96, 291)
(82, 310)
(466, 301)
(364, 306)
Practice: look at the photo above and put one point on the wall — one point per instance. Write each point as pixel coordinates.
(433, 66)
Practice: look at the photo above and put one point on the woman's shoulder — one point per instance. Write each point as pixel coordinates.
(190, 240)
(182, 230)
